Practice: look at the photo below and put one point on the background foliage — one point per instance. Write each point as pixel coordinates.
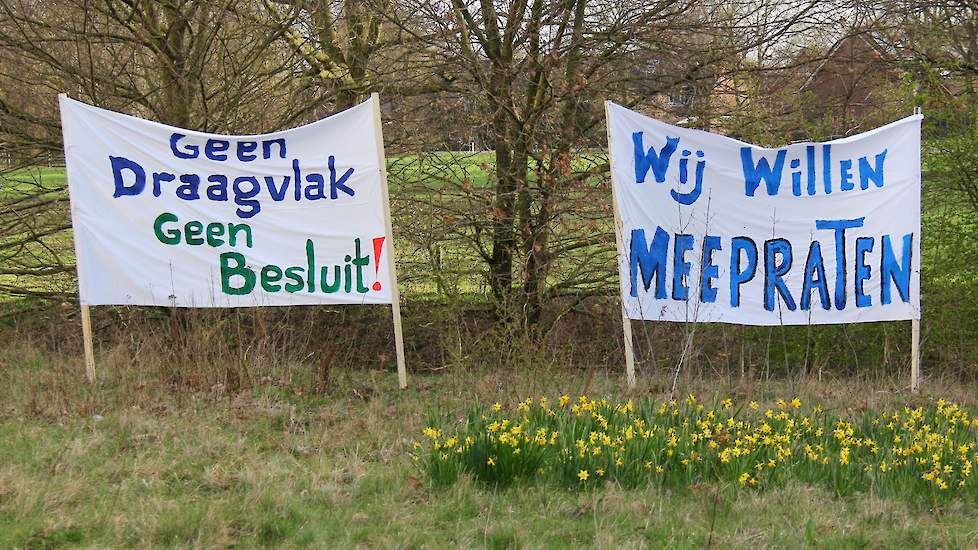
(494, 124)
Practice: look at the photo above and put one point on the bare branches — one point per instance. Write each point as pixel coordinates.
(196, 64)
(518, 84)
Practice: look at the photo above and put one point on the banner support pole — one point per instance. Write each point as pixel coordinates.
(915, 336)
(86, 320)
(626, 323)
(915, 355)
(86, 316)
(392, 269)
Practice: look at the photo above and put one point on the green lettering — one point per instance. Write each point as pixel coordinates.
(293, 274)
(360, 262)
(214, 232)
(234, 228)
(239, 269)
(170, 236)
(192, 232)
(330, 288)
(271, 274)
(311, 262)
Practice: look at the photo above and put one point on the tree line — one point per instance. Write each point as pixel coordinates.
(493, 109)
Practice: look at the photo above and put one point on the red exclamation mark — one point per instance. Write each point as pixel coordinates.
(378, 246)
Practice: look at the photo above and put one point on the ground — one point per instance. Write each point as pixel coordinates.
(127, 463)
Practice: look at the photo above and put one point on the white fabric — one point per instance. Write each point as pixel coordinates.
(122, 260)
(874, 205)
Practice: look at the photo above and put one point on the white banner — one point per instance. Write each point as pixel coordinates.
(172, 217)
(718, 230)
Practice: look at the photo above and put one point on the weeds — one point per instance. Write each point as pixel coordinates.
(133, 462)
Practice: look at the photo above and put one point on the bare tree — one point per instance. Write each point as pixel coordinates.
(213, 66)
(532, 75)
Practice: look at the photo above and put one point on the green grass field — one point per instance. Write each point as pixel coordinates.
(142, 461)
(31, 180)
(129, 464)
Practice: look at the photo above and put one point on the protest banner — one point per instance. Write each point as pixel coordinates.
(712, 229)
(164, 216)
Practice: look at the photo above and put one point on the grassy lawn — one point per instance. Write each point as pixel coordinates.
(138, 461)
(32, 180)
(130, 463)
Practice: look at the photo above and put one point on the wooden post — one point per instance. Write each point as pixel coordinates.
(86, 317)
(626, 323)
(915, 339)
(392, 269)
(89, 348)
(915, 355)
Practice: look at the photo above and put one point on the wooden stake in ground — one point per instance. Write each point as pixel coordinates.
(915, 339)
(86, 317)
(395, 292)
(89, 348)
(626, 323)
(915, 355)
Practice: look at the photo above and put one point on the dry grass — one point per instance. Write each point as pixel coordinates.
(146, 459)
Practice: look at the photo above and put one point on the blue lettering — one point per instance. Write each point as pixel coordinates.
(827, 168)
(338, 185)
(218, 188)
(810, 164)
(863, 271)
(680, 267)
(753, 174)
(246, 150)
(244, 198)
(815, 279)
(298, 179)
(317, 190)
(690, 198)
(796, 178)
(657, 162)
(191, 151)
(649, 260)
(158, 179)
(190, 190)
(774, 271)
(893, 273)
(215, 149)
(845, 175)
(740, 276)
(867, 174)
(278, 194)
(267, 148)
(139, 177)
(840, 226)
(709, 270)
